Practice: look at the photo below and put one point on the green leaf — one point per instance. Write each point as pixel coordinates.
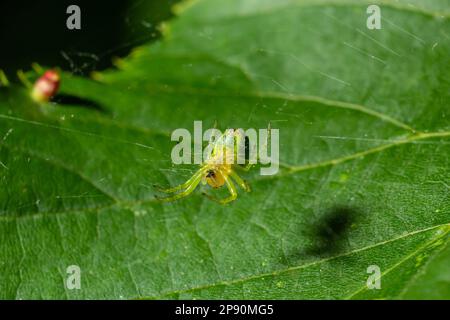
(364, 148)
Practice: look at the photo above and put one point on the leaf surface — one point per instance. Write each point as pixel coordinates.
(364, 153)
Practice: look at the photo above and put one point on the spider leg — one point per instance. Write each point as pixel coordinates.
(247, 167)
(191, 187)
(242, 183)
(233, 193)
(183, 185)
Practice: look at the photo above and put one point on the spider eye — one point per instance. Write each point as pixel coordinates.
(210, 174)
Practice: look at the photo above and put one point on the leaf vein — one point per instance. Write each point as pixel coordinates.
(299, 267)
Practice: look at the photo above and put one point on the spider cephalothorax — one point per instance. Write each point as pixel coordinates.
(214, 178)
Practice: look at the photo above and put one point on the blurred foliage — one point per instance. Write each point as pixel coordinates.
(35, 31)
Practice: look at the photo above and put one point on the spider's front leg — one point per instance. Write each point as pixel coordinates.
(191, 184)
(183, 185)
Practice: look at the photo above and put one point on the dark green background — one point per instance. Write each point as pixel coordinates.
(35, 31)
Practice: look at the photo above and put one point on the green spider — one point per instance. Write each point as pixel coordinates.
(217, 170)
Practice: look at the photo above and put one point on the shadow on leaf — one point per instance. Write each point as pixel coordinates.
(329, 233)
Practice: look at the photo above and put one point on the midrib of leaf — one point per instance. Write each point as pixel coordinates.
(318, 262)
(207, 92)
(410, 139)
(285, 97)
